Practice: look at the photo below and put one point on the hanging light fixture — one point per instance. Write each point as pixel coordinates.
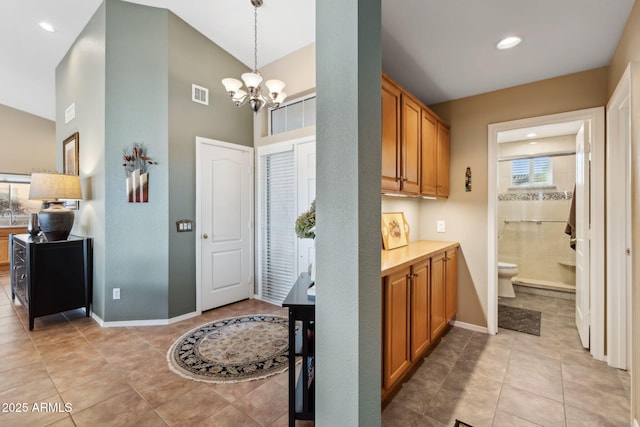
(253, 79)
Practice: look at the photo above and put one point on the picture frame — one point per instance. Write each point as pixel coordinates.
(71, 162)
(395, 230)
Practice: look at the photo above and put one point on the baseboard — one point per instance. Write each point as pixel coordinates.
(469, 326)
(151, 322)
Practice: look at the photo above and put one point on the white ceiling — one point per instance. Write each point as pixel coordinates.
(543, 131)
(439, 50)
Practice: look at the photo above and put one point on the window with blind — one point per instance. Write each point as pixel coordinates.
(536, 172)
(293, 115)
(278, 215)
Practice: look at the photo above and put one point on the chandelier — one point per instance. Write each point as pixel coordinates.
(253, 79)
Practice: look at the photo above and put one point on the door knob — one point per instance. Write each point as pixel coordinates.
(205, 236)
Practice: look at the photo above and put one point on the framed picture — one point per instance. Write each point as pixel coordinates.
(71, 162)
(395, 230)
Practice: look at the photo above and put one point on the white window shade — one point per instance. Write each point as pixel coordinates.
(534, 172)
(278, 215)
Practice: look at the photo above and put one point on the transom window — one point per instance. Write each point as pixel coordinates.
(293, 115)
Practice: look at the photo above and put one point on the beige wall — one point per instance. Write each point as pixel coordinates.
(466, 212)
(298, 71)
(27, 142)
(628, 48)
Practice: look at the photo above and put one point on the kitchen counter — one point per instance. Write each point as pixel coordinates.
(399, 258)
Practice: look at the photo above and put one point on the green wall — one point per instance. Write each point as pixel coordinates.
(194, 59)
(129, 74)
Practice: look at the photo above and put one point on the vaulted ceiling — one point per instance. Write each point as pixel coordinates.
(440, 50)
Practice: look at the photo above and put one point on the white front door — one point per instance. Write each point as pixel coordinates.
(582, 225)
(225, 226)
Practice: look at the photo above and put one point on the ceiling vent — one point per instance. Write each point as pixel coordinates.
(200, 94)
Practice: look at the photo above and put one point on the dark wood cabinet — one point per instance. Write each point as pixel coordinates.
(51, 277)
(302, 309)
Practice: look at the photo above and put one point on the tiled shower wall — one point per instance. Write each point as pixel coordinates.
(541, 250)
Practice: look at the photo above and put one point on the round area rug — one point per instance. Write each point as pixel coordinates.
(232, 350)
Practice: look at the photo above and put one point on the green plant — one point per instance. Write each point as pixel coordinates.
(306, 223)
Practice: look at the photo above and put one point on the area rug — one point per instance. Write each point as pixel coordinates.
(232, 350)
(519, 319)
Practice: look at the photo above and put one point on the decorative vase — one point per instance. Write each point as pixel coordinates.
(33, 227)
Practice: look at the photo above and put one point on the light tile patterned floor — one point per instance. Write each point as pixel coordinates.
(514, 379)
(119, 376)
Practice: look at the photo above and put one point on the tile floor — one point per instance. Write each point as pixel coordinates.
(119, 376)
(514, 379)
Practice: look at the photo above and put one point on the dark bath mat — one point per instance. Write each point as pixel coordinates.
(519, 319)
(461, 424)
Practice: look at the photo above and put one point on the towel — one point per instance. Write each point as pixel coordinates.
(570, 229)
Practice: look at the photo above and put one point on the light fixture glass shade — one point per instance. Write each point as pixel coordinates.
(280, 98)
(239, 96)
(252, 80)
(55, 186)
(231, 85)
(274, 86)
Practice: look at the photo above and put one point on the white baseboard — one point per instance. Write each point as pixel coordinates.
(151, 322)
(469, 326)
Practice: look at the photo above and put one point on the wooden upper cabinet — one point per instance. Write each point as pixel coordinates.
(391, 96)
(429, 178)
(443, 161)
(410, 147)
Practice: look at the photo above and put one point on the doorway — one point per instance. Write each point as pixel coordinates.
(592, 309)
(224, 223)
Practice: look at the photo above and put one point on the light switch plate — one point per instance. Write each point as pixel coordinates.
(440, 226)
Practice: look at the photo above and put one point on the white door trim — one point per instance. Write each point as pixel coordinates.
(596, 115)
(619, 223)
(200, 141)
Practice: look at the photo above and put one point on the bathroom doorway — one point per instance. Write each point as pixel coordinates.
(532, 163)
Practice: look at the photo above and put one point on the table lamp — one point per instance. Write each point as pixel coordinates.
(53, 189)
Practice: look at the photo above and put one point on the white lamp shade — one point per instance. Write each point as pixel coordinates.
(55, 186)
(280, 98)
(239, 96)
(252, 80)
(231, 85)
(274, 86)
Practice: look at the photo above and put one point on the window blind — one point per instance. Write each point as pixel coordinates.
(534, 172)
(278, 207)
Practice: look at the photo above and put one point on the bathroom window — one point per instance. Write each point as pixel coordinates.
(15, 205)
(535, 172)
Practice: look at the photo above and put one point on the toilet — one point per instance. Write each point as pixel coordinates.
(506, 271)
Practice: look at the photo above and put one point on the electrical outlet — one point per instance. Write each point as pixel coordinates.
(116, 293)
(440, 226)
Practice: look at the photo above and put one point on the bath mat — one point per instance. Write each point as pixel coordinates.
(461, 424)
(233, 350)
(519, 319)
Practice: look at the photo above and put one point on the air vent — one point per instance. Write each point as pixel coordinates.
(200, 94)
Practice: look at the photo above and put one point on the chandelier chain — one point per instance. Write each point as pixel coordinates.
(255, 38)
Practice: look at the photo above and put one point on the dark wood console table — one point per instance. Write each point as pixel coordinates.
(302, 310)
(51, 277)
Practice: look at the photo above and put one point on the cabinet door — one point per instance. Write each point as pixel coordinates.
(410, 148)
(396, 357)
(451, 286)
(420, 329)
(4, 252)
(438, 314)
(443, 161)
(390, 136)
(429, 168)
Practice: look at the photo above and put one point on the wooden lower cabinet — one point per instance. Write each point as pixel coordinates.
(438, 310)
(396, 356)
(420, 330)
(418, 302)
(451, 284)
(4, 244)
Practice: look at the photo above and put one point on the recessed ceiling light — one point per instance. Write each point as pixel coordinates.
(531, 135)
(508, 43)
(47, 27)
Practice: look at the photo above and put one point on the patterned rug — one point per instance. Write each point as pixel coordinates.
(519, 319)
(232, 350)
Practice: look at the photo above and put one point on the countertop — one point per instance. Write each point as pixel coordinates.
(396, 259)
